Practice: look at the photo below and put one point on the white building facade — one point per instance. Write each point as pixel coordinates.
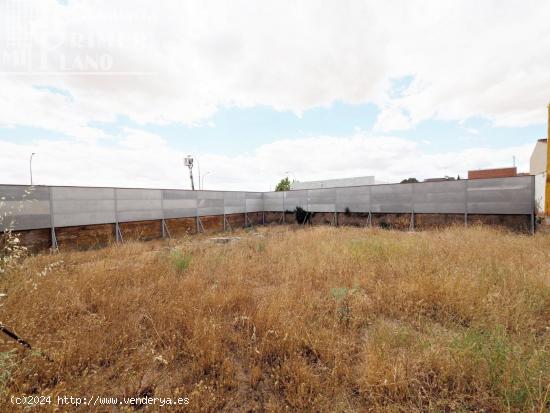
(537, 167)
(335, 183)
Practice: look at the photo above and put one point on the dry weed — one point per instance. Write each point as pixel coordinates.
(315, 319)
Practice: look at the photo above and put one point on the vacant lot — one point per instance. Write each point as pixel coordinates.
(310, 319)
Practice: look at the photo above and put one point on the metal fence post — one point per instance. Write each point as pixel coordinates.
(533, 205)
(162, 223)
(165, 229)
(118, 232)
(370, 205)
(245, 213)
(466, 204)
(284, 210)
(197, 219)
(224, 218)
(411, 227)
(335, 209)
(52, 221)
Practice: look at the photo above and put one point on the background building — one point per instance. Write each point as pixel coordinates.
(334, 183)
(493, 173)
(537, 164)
(537, 167)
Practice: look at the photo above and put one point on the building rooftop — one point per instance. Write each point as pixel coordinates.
(493, 173)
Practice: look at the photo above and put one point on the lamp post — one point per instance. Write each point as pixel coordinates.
(204, 176)
(188, 161)
(30, 165)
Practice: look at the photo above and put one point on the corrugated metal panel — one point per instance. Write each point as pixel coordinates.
(234, 202)
(294, 199)
(322, 200)
(24, 207)
(354, 199)
(440, 197)
(210, 203)
(74, 206)
(254, 202)
(501, 196)
(391, 198)
(179, 204)
(273, 201)
(139, 204)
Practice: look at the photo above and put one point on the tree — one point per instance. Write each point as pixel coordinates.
(409, 181)
(283, 185)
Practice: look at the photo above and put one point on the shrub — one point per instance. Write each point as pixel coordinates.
(384, 224)
(11, 250)
(302, 216)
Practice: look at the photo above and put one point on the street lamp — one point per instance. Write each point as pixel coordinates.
(30, 165)
(204, 176)
(188, 161)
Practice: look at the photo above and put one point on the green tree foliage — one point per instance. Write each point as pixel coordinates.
(409, 181)
(283, 185)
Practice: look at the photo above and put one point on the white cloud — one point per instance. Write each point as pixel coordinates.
(468, 58)
(392, 119)
(137, 159)
(139, 140)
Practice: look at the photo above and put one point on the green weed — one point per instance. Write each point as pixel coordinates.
(7, 365)
(180, 260)
(514, 374)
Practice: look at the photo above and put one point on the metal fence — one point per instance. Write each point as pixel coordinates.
(481, 196)
(38, 207)
(50, 207)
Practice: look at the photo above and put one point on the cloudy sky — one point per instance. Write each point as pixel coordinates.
(116, 93)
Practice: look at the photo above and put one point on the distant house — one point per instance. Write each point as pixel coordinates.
(493, 173)
(335, 183)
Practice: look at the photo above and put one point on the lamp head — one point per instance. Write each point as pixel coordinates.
(188, 161)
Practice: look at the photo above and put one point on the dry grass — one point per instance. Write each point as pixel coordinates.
(315, 319)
